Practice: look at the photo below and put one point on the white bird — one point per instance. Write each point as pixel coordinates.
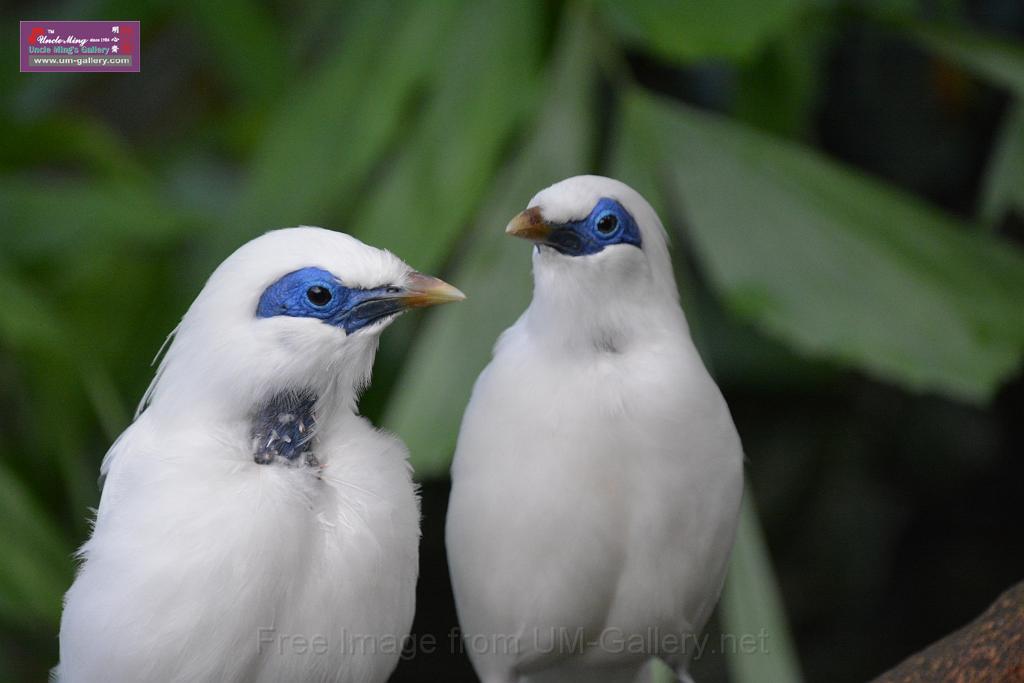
(253, 527)
(597, 477)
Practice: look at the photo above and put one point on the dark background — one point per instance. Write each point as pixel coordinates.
(883, 431)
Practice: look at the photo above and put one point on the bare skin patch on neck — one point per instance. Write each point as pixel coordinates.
(283, 430)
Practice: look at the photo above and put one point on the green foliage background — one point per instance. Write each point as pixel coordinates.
(422, 127)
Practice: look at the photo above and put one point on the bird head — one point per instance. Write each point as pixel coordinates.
(600, 256)
(299, 309)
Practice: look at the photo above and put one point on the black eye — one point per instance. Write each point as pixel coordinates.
(392, 289)
(607, 224)
(318, 296)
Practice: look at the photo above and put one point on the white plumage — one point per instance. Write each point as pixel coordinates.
(205, 565)
(598, 475)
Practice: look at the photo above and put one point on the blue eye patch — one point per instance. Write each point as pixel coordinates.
(316, 293)
(608, 223)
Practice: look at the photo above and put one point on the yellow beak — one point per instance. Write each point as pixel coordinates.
(529, 225)
(423, 290)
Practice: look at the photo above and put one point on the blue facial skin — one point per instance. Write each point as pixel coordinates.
(609, 223)
(316, 293)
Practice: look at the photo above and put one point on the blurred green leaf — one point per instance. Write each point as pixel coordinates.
(661, 673)
(25, 320)
(754, 631)
(455, 344)
(834, 263)
(71, 142)
(64, 452)
(1004, 178)
(778, 89)
(886, 10)
(113, 415)
(999, 61)
(244, 42)
(36, 565)
(488, 82)
(688, 30)
(331, 131)
(60, 216)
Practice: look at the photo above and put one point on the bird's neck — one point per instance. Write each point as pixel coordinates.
(257, 411)
(602, 305)
(575, 322)
(203, 389)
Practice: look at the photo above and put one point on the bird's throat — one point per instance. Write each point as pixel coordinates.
(283, 429)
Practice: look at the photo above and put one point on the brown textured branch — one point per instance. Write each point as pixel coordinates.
(989, 649)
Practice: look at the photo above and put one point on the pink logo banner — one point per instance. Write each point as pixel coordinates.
(80, 46)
